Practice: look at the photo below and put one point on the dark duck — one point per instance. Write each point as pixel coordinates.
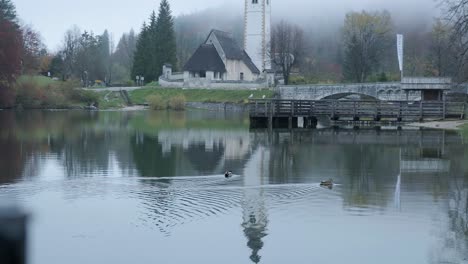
(328, 184)
(228, 174)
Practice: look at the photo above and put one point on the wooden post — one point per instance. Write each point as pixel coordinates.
(354, 111)
(421, 111)
(444, 107)
(333, 109)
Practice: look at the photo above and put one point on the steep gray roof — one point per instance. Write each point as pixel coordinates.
(205, 58)
(232, 50)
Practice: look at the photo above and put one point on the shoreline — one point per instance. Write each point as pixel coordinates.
(444, 125)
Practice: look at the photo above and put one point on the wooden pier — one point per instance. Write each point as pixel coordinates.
(276, 113)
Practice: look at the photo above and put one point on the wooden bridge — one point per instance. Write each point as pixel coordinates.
(286, 113)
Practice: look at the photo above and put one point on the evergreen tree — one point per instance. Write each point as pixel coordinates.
(166, 49)
(7, 11)
(140, 60)
(103, 63)
(156, 45)
(151, 70)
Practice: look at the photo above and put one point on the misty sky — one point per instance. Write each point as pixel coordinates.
(53, 17)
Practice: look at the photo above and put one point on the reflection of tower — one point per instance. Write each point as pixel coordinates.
(255, 217)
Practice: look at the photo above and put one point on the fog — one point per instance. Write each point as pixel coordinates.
(53, 17)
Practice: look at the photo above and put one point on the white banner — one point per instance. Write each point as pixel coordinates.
(400, 50)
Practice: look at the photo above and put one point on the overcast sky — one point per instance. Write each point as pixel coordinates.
(53, 17)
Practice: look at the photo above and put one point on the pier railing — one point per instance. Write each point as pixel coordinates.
(357, 109)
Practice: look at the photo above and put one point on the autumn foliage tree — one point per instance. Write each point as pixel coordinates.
(10, 52)
(33, 50)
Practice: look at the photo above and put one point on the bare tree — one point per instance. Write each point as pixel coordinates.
(71, 43)
(440, 53)
(457, 15)
(366, 36)
(287, 45)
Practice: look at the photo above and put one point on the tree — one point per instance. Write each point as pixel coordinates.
(69, 51)
(287, 45)
(440, 54)
(366, 37)
(103, 59)
(166, 48)
(456, 14)
(156, 45)
(140, 61)
(7, 11)
(57, 68)
(10, 52)
(33, 50)
(122, 58)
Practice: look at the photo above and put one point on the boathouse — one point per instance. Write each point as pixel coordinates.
(432, 89)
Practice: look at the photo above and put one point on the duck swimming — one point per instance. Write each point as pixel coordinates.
(228, 174)
(328, 184)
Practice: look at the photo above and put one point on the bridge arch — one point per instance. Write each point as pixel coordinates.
(338, 96)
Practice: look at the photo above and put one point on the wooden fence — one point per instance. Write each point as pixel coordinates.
(335, 109)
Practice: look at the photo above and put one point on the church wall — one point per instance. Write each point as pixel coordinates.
(235, 67)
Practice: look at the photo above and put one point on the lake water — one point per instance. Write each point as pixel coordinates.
(148, 187)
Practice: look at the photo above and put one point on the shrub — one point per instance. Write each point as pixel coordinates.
(156, 102)
(129, 83)
(7, 95)
(29, 94)
(84, 96)
(152, 84)
(34, 92)
(177, 103)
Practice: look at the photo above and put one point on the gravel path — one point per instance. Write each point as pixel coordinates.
(113, 89)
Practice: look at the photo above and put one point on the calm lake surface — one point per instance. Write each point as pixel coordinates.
(147, 187)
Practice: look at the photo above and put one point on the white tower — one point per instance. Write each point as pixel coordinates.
(257, 32)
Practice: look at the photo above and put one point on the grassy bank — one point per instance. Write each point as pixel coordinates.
(198, 95)
(464, 131)
(39, 92)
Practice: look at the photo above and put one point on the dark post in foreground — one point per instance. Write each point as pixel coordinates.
(12, 236)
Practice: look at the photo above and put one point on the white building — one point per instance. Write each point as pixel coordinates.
(220, 62)
(257, 30)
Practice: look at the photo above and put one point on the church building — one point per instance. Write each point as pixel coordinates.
(221, 58)
(221, 62)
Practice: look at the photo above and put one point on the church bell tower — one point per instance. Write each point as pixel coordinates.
(257, 32)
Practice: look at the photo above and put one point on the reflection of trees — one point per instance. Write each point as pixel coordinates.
(370, 169)
(205, 161)
(454, 245)
(458, 215)
(15, 154)
(365, 169)
(149, 158)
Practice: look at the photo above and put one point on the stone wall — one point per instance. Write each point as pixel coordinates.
(381, 91)
(230, 107)
(202, 83)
